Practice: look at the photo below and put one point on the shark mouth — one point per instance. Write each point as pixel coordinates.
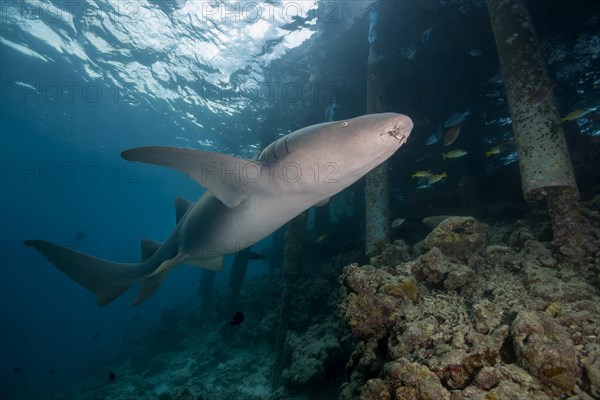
(399, 131)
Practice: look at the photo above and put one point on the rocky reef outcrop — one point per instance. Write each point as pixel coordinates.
(312, 354)
(477, 312)
(473, 311)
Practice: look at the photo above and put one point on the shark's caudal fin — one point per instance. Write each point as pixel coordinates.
(106, 279)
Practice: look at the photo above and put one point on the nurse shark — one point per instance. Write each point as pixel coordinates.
(245, 201)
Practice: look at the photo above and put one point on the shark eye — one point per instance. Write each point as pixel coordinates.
(345, 123)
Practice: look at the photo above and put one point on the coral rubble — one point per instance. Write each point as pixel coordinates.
(473, 311)
(480, 312)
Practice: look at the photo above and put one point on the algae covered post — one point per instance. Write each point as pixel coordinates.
(205, 287)
(292, 265)
(544, 162)
(238, 274)
(376, 193)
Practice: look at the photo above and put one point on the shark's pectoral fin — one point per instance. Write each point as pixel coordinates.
(152, 281)
(181, 207)
(322, 202)
(148, 286)
(167, 265)
(229, 179)
(213, 264)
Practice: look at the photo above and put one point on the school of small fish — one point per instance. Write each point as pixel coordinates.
(448, 131)
(452, 126)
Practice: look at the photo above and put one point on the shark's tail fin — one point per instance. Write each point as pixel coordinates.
(106, 279)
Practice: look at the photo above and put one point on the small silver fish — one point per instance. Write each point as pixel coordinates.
(475, 52)
(435, 137)
(425, 35)
(454, 154)
(397, 222)
(457, 118)
(451, 135)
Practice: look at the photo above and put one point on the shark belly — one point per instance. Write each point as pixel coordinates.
(213, 229)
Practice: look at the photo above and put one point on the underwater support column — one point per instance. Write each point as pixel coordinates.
(292, 266)
(238, 274)
(322, 219)
(205, 288)
(275, 258)
(546, 170)
(376, 193)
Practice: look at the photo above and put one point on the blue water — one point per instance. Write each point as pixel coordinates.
(82, 81)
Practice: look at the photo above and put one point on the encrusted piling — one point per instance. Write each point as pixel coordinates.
(205, 288)
(545, 165)
(238, 274)
(321, 219)
(292, 266)
(275, 258)
(377, 189)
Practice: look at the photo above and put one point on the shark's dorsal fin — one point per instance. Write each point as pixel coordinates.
(148, 247)
(229, 179)
(181, 207)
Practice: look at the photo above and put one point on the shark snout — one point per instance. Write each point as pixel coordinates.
(400, 130)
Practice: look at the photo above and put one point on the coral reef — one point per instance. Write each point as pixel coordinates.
(457, 237)
(497, 314)
(473, 311)
(545, 350)
(312, 353)
(375, 299)
(193, 354)
(396, 253)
